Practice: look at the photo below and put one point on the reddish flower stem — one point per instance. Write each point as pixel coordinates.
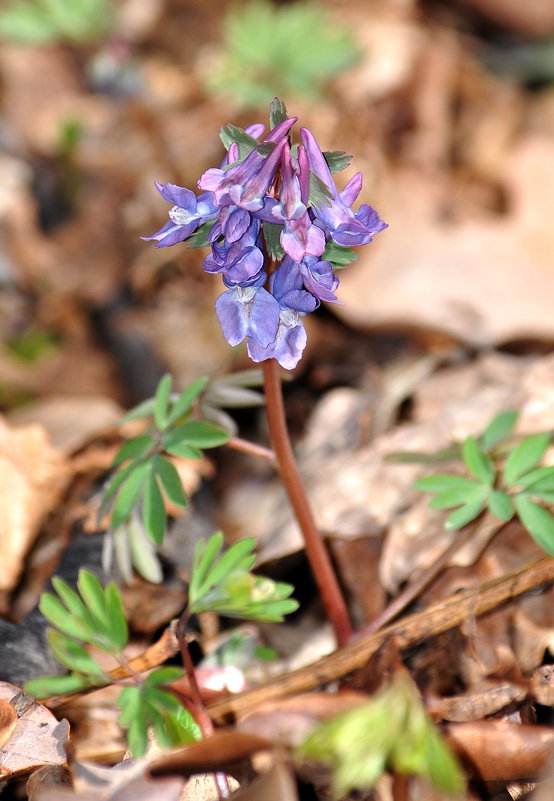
(316, 552)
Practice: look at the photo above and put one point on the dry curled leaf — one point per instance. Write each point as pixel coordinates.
(37, 739)
(8, 721)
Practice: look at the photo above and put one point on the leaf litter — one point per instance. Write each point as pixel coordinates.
(444, 324)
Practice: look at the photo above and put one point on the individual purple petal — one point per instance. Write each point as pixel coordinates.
(352, 189)
(299, 300)
(369, 217)
(169, 234)
(255, 130)
(249, 311)
(288, 345)
(301, 237)
(177, 195)
(245, 269)
(234, 222)
(319, 279)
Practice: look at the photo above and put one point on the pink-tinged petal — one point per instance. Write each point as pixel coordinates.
(280, 130)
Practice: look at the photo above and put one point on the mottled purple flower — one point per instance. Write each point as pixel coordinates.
(299, 235)
(339, 221)
(247, 183)
(187, 214)
(273, 195)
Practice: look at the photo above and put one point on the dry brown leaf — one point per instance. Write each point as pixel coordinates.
(533, 18)
(8, 721)
(37, 739)
(500, 751)
(482, 281)
(33, 476)
(223, 748)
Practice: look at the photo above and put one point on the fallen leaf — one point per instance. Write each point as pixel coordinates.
(8, 721)
(33, 476)
(483, 281)
(499, 751)
(37, 739)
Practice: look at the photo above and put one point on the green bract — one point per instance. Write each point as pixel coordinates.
(225, 585)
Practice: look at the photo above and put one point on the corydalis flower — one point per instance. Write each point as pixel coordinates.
(339, 221)
(277, 227)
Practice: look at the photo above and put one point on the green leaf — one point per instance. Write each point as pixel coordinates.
(238, 557)
(134, 449)
(277, 112)
(456, 496)
(525, 456)
(501, 505)
(27, 23)
(498, 429)
(182, 727)
(73, 602)
(320, 194)
(137, 734)
(116, 481)
(201, 237)
(153, 510)
(171, 482)
(143, 554)
(55, 612)
(117, 622)
(196, 433)
(72, 654)
(92, 593)
(231, 133)
(232, 397)
(129, 493)
(204, 556)
(465, 514)
(338, 255)
(537, 520)
(272, 236)
(144, 409)
(56, 685)
(183, 451)
(440, 482)
(477, 462)
(337, 160)
(161, 402)
(536, 475)
(184, 402)
(163, 675)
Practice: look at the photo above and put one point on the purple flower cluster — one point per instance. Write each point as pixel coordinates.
(277, 225)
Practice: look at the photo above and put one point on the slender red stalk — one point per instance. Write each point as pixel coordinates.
(201, 713)
(316, 551)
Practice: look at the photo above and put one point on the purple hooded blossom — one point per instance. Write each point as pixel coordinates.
(247, 199)
(187, 214)
(344, 226)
